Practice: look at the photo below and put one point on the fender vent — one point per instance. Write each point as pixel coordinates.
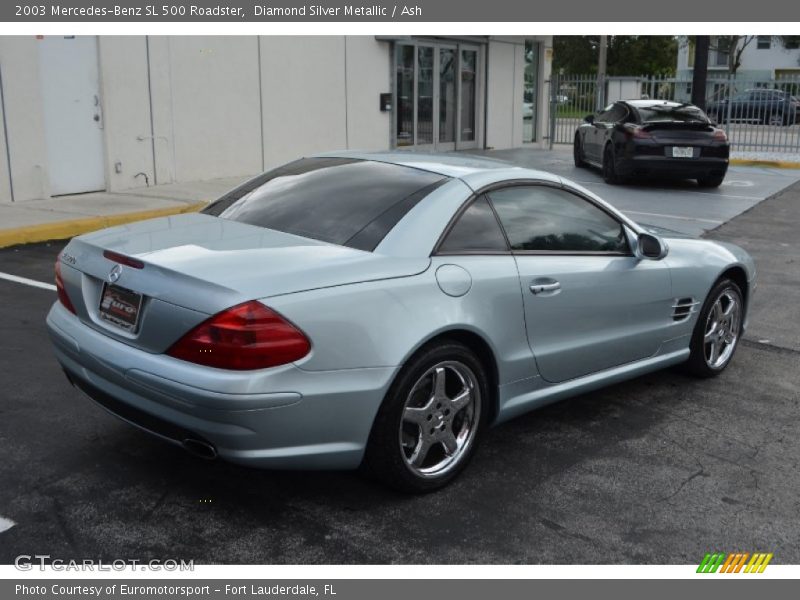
(684, 308)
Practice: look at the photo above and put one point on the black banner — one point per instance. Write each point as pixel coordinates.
(381, 11)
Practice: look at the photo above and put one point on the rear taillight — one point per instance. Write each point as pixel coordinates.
(638, 132)
(719, 136)
(245, 337)
(62, 293)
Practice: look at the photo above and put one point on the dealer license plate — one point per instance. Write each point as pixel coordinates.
(682, 152)
(120, 306)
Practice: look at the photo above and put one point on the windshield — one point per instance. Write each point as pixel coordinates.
(680, 112)
(343, 201)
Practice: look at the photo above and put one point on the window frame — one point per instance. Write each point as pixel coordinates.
(486, 191)
(454, 221)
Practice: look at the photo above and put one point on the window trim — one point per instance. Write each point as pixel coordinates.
(528, 183)
(537, 183)
(457, 217)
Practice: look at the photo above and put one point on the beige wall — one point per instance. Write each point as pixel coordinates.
(184, 108)
(126, 110)
(368, 75)
(506, 82)
(303, 83)
(19, 61)
(214, 111)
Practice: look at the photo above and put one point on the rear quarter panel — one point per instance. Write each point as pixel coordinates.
(382, 323)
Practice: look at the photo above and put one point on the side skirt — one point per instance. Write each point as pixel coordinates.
(532, 399)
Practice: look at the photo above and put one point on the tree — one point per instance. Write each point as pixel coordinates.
(627, 54)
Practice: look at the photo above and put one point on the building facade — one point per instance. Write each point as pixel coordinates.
(84, 114)
(764, 57)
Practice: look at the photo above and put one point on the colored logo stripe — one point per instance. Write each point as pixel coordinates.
(734, 562)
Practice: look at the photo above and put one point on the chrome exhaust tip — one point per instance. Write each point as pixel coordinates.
(200, 449)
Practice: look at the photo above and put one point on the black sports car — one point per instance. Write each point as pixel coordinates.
(653, 138)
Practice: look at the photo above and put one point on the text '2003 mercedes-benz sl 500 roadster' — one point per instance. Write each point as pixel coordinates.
(382, 310)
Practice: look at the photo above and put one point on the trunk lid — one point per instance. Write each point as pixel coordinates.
(681, 133)
(196, 265)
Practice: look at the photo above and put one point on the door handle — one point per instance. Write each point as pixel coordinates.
(541, 288)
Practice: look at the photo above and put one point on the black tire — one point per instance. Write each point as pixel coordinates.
(711, 181)
(386, 457)
(698, 363)
(610, 167)
(577, 152)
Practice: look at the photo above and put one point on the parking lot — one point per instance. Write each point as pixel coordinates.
(658, 470)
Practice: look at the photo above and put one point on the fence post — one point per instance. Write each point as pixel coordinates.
(728, 105)
(552, 112)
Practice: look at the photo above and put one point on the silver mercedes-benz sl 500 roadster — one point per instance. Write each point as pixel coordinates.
(382, 310)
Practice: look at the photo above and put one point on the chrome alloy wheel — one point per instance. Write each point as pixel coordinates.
(440, 418)
(722, 329)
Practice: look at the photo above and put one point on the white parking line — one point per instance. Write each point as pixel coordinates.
(684, 191)
(26, 281)
(6, 524)
(648, 214)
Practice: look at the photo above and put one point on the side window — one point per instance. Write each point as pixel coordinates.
(612, 113)
(544, 218)
(476, 230)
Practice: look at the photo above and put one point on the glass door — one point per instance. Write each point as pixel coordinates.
(447, 98)
(436, 96)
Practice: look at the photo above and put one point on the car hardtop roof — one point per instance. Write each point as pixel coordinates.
(467, 167)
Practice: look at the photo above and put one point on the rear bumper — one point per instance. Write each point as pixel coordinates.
(288, 418)
(687, 168)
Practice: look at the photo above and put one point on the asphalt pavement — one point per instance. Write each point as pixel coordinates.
(658, 470)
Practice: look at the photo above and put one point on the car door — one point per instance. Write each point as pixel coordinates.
(604, 127)
(595, 136)
(589, 303)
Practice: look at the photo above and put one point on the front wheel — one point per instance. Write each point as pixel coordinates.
(717, 331)
(427, 428)
(577, 152)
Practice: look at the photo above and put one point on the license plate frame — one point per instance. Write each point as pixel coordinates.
(120, 306)
(682, 152)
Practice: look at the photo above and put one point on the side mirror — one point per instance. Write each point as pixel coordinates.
(651, 246)
(589, 119)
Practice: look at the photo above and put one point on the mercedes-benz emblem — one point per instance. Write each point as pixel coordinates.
(115, 273)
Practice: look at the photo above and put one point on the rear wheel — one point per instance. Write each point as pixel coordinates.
(577, 152)
(610, 167)
(710, 181)
(717, 331)
(427, 428)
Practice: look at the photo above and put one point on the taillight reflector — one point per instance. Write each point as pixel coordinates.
(719, 136)
(62, 293)
(245, 337)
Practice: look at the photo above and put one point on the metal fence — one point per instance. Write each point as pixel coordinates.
(758, 115)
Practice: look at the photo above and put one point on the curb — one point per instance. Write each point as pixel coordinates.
(774, 164)
(62, 230)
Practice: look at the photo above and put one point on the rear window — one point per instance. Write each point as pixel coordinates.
(649, 114)
(343, 201)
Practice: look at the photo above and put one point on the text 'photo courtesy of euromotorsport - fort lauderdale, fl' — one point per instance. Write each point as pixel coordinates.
(411, 300)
